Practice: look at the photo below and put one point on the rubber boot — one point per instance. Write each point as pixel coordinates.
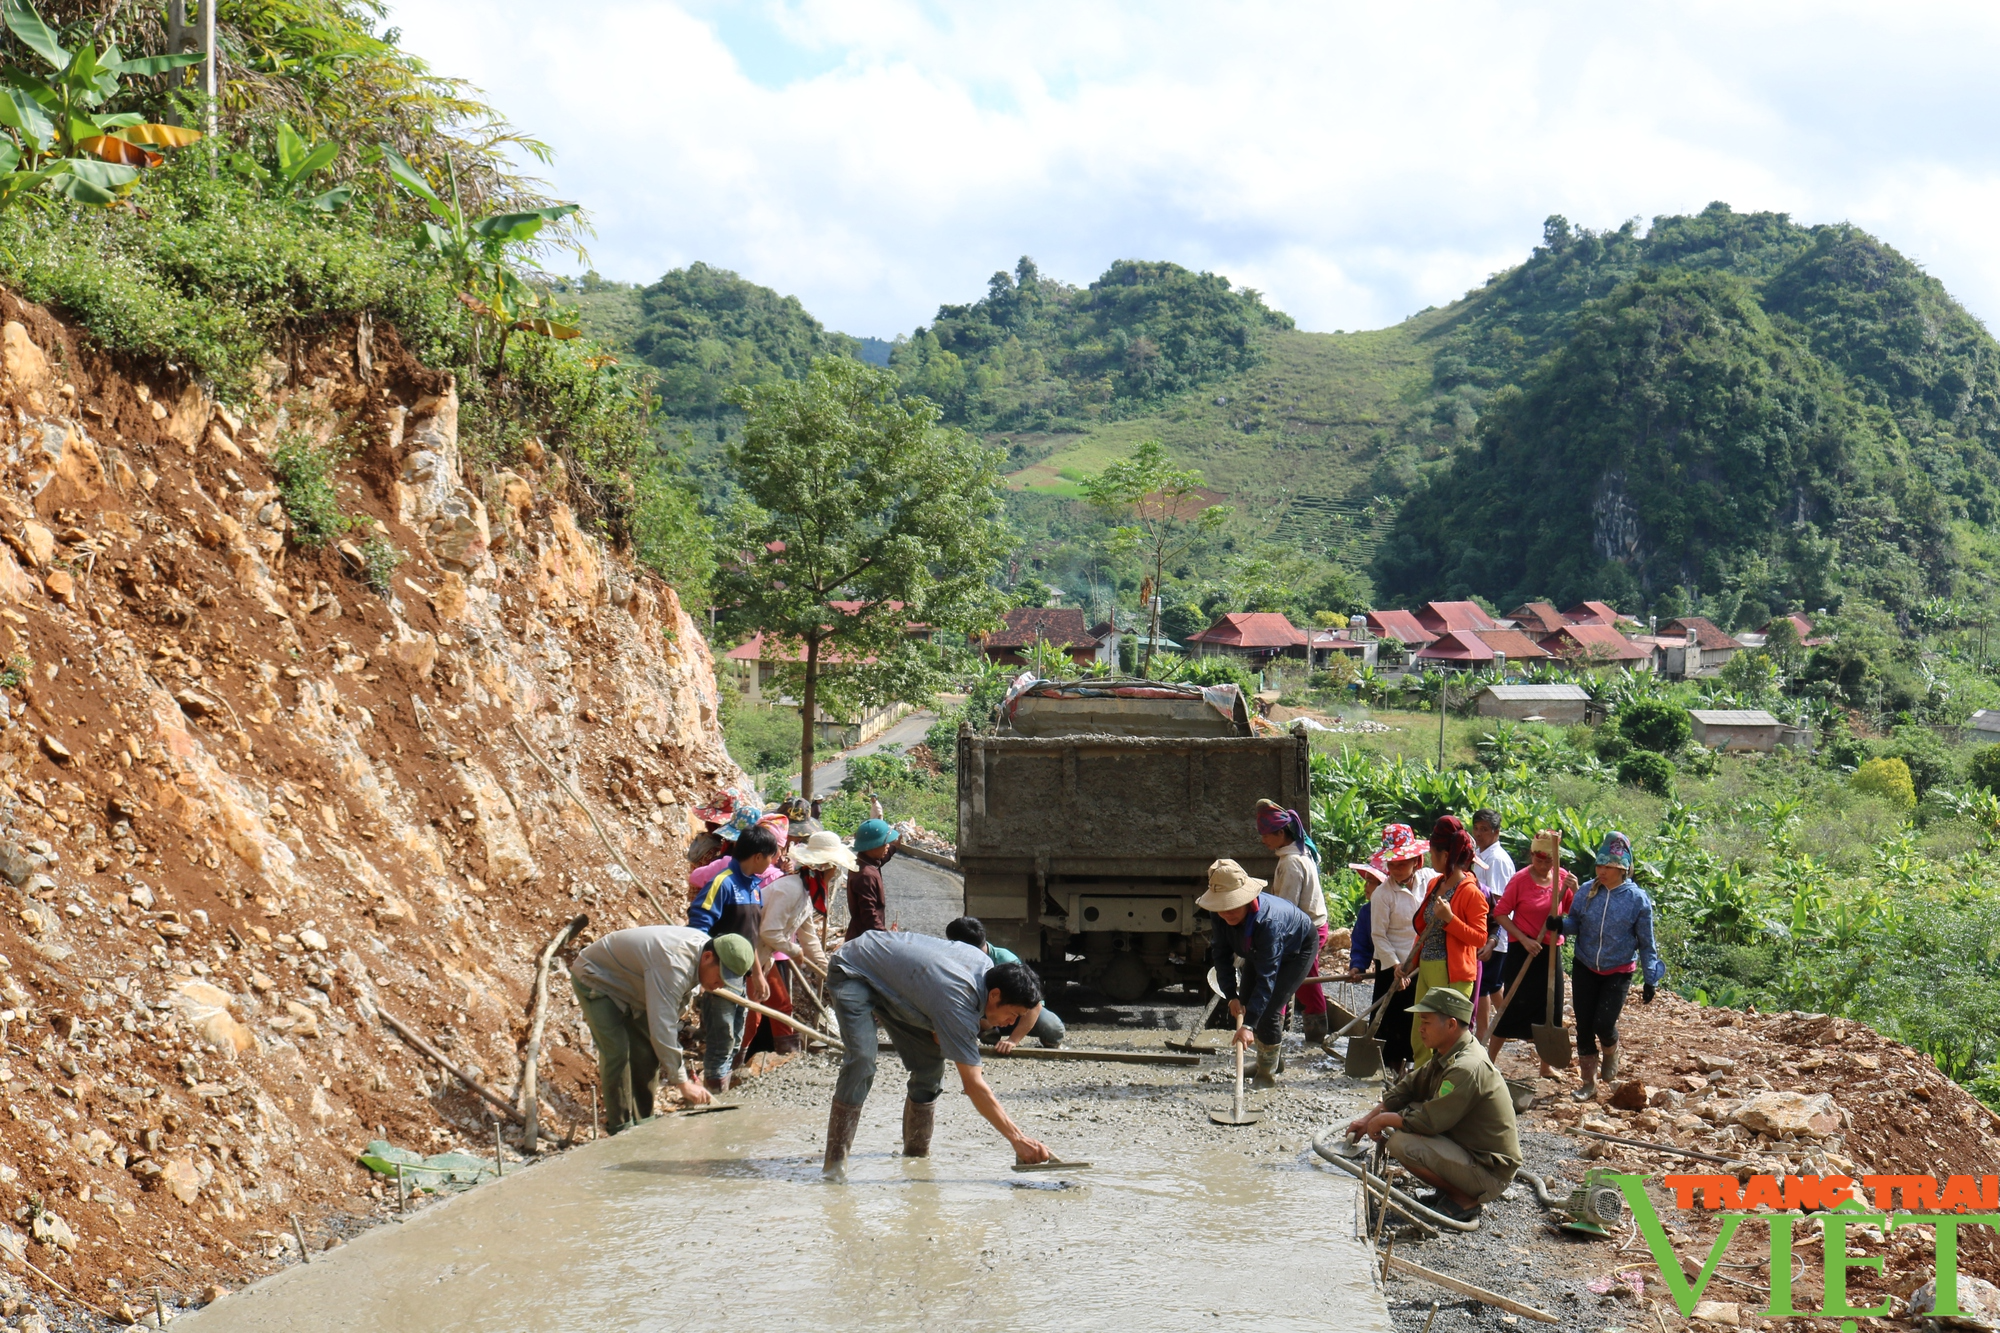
(918, 1120)
(1610, 1065)
(1316, 1029)
(1589, 1088)
(841, 1123)
(1269, 1062)
(712, 1083)
(786, 1043)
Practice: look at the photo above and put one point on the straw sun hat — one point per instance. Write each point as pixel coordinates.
(1229, 885)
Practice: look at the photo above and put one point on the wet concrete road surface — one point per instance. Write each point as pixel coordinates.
(702, 1222)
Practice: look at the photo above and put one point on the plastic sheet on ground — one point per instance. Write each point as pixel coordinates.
(454, 1170)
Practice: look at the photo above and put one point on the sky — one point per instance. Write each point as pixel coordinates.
(1355, 162)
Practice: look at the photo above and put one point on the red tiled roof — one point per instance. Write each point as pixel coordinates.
(1706, 635)
(1251, 629)
(1516, 644)
(1402, 626)
(1804, 627)
(1594, 643)
(1457, 645)
(1593, 613)
(1537, 617)
(1441, 616)
(752, 650)
(1063, 626)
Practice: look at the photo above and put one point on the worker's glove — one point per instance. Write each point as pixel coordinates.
(1648, 996)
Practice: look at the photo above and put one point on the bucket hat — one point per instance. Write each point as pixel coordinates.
(825, 847)
(1229, 886)
(1400, 842)
(1615, 850)
(741, 822)
(873, 833)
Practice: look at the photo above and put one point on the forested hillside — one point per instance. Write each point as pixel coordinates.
(1725, 412)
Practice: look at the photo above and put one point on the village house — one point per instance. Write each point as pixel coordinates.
(1597, 613)
(1256, 637)
(1326, 644)
(753, 664)
(1983, 725)
(1443, 617)
(1740, 729)
(1692, 648)
(1597, 647)
(1558, 704)
(1064, 627)
(1537, 618)
(1473, 650)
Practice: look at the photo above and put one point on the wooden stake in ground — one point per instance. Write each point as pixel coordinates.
(591, 815)
(530, 1104)
(1492, 1298)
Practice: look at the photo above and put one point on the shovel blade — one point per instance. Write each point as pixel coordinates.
(1337, 1016)
(1229, 1115)
(1552, 1044)
(1364, 1057)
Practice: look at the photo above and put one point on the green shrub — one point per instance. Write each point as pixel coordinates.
(1888, 778)
(1648, 771)
(1929, 761)
(1846, 750)
(1655, 724)
(1984, 769)
(1611, 746)
(762, 739)
(383, 560)
(305, 480)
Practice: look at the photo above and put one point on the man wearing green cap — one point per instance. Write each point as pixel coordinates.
(632, 986)
(1450, 1122)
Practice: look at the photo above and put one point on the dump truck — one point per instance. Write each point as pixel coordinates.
(1088, 814)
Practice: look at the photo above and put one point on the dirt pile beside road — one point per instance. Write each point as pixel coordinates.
(250, 794)
(1774, 1094)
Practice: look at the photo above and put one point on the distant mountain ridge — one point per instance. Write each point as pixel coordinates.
(1726, 412)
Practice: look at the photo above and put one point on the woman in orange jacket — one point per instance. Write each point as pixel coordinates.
(1451, 923)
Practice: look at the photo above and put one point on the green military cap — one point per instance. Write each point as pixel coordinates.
(1444, 1000)
(734, 952)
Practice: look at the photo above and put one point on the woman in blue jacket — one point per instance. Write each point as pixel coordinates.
(1612, 925)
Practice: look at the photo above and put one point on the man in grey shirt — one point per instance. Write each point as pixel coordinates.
(933, 996)
(632, 986)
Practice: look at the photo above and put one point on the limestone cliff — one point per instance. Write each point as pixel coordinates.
(250, 793)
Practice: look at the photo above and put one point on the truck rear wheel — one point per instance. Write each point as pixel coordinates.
(1127, 978)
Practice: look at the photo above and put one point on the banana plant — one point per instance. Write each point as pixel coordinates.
(482, 255)
(298, 163)
(55, 133)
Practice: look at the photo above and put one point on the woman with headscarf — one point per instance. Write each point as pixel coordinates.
(1613, 926)
(1397, 879)
(1296, 880)
(1532, 896)
(1451, 924)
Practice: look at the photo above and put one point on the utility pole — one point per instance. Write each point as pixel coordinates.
(208, 84)
(1444, 695)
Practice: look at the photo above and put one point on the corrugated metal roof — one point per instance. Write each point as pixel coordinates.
(1734, 717)
(1537, 693)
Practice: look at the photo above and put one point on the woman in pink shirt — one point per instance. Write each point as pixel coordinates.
(1543, 890)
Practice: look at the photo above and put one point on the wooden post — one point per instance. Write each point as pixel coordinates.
(499, 1151)
(530, 1104)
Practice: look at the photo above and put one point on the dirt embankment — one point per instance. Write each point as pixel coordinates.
(1714, 1082)
(246, 800)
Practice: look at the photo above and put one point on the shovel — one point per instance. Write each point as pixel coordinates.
(1552, 1038)
(1189, 1045)
(1236, 1115)
(1364, 1054)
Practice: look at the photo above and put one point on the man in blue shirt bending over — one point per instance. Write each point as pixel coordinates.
(1278, 945)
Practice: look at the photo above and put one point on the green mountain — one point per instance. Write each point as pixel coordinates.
(1725, 411)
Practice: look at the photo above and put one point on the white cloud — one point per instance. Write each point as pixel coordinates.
(1355, 162)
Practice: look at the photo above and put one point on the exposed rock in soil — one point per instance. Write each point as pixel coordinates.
(246, 801)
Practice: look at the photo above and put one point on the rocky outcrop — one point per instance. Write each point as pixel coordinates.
(251, 795)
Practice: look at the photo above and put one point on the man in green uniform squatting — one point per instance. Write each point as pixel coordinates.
(1450, 1122)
